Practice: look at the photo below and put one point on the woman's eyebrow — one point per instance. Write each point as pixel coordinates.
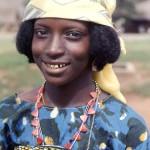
(40, 25)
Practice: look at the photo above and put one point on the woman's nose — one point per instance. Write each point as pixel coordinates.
(55, 47)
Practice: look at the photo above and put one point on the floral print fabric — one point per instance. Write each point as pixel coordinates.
(116, 126)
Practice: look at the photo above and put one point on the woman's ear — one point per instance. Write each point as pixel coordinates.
(94, 66)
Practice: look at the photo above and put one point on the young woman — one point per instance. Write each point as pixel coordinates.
(80, 106)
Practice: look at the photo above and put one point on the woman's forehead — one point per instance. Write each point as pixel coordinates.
(60, 21)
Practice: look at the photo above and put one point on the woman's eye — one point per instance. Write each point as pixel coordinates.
(74, 35)
(41, 33)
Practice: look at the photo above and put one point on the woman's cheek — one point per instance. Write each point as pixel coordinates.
(36, 48)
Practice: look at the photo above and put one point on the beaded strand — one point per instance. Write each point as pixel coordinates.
(89, 110)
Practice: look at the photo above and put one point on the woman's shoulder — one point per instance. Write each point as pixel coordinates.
(9, 100)
(12, 106)
(114, 104)
(12, 101)
(124, 112)
(16, 104)
(20, 98)
(121, 121)
(28, 96)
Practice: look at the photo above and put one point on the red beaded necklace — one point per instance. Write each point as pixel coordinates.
(89, 110)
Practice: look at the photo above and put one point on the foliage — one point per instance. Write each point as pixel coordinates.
(125, 9)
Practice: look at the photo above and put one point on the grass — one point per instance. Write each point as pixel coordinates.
(16, 75)
(138, 57)
(138, 52)
(143, 90)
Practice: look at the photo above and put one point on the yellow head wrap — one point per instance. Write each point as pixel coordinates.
(98, 11)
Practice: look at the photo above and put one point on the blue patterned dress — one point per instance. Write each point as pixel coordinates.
(116, 126)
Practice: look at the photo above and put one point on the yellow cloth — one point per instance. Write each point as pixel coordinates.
(108, 81)
(98, 11)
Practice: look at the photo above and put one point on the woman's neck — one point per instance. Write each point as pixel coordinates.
(75, 93)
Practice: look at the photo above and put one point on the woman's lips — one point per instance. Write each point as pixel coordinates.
(55, 66)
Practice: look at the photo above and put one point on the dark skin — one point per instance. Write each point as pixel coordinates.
(61, 51)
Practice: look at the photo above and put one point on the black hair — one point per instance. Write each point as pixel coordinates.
(104, 43)
(24, 39)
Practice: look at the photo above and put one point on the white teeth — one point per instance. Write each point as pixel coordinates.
(61, 65)
(56, 66)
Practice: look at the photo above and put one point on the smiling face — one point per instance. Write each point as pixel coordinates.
(61, 49)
